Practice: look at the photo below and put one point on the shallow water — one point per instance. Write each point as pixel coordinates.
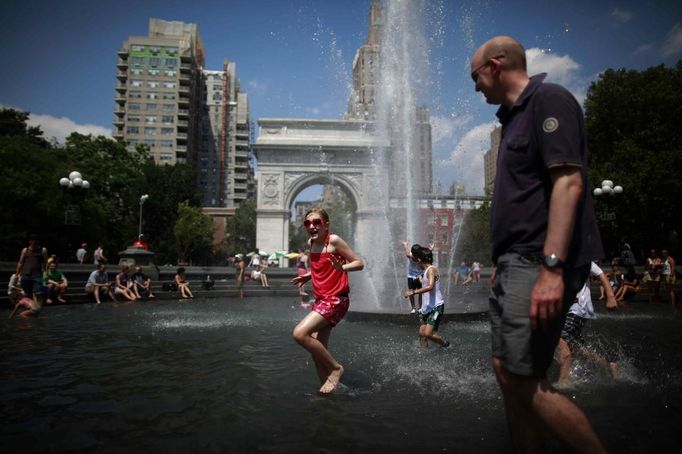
(225, 375)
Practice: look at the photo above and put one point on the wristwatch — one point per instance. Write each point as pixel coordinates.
(552, 262)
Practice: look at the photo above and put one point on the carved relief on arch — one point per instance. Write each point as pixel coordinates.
(271, 192)
(290, 178)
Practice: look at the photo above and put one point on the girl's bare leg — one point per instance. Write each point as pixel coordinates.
(324, 361)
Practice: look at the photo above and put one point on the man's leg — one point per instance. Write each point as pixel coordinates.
(565, 361)
(532, 405)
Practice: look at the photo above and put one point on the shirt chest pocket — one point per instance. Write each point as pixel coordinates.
(518, 144)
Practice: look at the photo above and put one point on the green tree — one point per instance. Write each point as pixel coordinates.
(634, 139)
(193, 233)
(167, 186)
(240, 229)
(341, 210)
(474, 241)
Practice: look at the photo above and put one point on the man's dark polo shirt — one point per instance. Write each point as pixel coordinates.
(544, 128)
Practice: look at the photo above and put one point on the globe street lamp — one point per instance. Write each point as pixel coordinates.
(143, 199)
(74, 182)
(607, 188)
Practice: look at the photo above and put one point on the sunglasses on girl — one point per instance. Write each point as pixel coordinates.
(314, 222)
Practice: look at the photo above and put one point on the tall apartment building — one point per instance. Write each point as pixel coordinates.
(158, 91)
(490, 160)
(224, 171)
(362, 102)
(167, 101)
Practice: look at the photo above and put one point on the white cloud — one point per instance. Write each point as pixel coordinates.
(673, 41)
(313, 110)
(622, 15)
(467, 157)
(60, 128)
(444, 127)
(562, 70)
(643, 48)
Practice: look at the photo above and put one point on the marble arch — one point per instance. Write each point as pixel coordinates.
(293, 154)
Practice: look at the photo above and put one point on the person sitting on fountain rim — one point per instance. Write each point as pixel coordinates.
(433, 305)
(414, 271)
(579, 314)
(331, 259)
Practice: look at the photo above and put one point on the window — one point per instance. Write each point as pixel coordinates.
(430, 220)
(171, 62)
(169, 84)
(152, 95)
(165, 156)
(150, 131)
(133, 106)
(135, 94)
(150, 119)
(168, 107)
(171, 73)
(133, 130)
(168, 119)
(444, 238)
(151, 143)
(152, 106)
(444, 221)
(166, 143)
(153, 72)
(137, 61)
(136, 83)
(153, 84)
(154, 61)
(137, 48)
(167, 131)
(168, 96)
(217, 96)
(133, 118)
(136, 72)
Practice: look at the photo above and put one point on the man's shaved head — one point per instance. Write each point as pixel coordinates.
(512, 50)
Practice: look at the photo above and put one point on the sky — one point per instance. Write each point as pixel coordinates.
(294, 57)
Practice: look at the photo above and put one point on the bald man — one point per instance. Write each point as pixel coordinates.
(544, 237)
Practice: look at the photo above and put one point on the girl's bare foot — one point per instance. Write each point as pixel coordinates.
(332, 381)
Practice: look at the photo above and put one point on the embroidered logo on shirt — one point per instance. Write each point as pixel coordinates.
(550, 124)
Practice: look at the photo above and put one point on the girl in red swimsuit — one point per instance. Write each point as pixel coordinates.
(330, 260)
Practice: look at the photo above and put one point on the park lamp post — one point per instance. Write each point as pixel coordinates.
(74, 182)
(143, 199)
(607, 188)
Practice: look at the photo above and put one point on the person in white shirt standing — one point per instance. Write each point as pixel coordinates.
(579, 314)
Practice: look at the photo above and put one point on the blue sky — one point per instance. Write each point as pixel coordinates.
(294, 57)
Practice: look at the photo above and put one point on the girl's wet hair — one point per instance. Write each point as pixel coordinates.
(319, 210)
(415, 250)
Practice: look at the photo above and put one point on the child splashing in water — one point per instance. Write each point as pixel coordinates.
(433, 305)
(330, 261)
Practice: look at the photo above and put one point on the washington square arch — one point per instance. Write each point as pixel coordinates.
(294, 154)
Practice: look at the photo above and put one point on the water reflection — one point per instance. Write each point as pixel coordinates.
(225, 375)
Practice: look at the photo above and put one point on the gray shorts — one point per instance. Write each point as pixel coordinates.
(522, 350)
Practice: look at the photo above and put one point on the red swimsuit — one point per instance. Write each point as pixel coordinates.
(330, 286)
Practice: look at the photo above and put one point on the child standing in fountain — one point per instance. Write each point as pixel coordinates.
(433, 305)
(330, 260)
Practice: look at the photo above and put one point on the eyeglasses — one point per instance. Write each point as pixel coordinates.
(317, 222)
(474, 73)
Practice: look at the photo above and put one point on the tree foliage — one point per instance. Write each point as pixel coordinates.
(35, 203)
(474, 241)
(634, 139)
(193, 233)
(240, 229)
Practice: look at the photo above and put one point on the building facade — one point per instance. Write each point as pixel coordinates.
(490, 160)
(158, 91)
(167, 101)
(224, 170)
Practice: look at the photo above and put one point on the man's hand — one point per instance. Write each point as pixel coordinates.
(546, 298)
